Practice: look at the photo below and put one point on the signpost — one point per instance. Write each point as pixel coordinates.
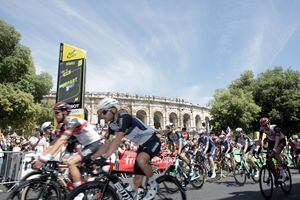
(71, 78)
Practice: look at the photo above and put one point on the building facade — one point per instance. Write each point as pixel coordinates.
(154, 111)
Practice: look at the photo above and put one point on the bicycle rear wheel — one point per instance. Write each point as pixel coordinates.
(93, 190)
(286, 186)
(239, 174)
(266, 182)
(165, 182)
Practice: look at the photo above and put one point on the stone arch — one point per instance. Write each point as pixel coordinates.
(173, 119)
(142, 115)
(158, 120)
(207, 127)
(198, 122)
(187, 121)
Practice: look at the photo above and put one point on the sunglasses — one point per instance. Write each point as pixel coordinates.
(57, 112)
(104, 112)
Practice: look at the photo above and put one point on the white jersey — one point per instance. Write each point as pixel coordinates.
(82, 130)
(272, 132)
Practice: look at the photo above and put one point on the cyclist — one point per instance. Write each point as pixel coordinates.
(246, 146)
(71, 127)
(276, 141)
(209, 149)
(182, 146)
(125, 125)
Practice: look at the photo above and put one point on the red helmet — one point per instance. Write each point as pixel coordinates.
(264, 121)
(62, 106)
(214, 138)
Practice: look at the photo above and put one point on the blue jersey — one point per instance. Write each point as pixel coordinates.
(205, 140)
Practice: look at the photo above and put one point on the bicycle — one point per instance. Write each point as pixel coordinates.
(223, 166)
(102, 189)
(242, 171)
(179, 171)
(50, 184)
(269, 175)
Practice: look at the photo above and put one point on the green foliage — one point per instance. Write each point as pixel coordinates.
(46, 113)
(21, 88)
(17, 108)
(278, 93)
(9, 39)
(274, 94)
(233, 108)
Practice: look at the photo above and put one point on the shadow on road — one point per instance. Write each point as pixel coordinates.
(277, 194)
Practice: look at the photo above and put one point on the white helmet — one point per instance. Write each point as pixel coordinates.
(108, 103)
(238, 130)
(46, 125)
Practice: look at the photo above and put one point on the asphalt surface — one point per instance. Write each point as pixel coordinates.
(227, 189)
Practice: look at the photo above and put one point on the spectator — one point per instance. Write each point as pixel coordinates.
(2, 148)
(38, 141)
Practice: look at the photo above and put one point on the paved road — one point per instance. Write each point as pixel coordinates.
(227, 189)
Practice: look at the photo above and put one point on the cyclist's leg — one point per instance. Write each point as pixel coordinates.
(77, 158)
(211, 153)
(145, 153)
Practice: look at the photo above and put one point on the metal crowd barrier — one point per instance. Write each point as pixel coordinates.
(14, 166)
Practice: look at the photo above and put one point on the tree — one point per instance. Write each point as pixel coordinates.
(277, 91)
(233, 108)
(21, 88)
(17, 108)
(246, 82)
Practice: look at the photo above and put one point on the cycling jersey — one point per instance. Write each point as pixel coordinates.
(206, 139)
(82, 130)
(175, 138)
(243, 140)
(225, 144)
(271, 132)
(135, 130)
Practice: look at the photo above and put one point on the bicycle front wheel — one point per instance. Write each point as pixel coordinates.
(239, 174)
(165, 182)
(36, 189)
(266, 182)
(199, 176)
(286, 186)
(93, 190)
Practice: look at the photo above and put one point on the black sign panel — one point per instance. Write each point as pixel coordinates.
(70, 83)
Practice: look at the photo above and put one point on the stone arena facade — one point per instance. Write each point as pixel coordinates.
(154, 111)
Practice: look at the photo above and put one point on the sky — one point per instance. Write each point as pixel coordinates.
(175, 49)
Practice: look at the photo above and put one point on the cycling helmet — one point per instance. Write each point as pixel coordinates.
(214, 138)
(295, 137)
(238, 130)
(169, 126)
(62, 106)
(46, 125)
(108, 103)
(264, 121)
(222, 136)
(202, 132)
